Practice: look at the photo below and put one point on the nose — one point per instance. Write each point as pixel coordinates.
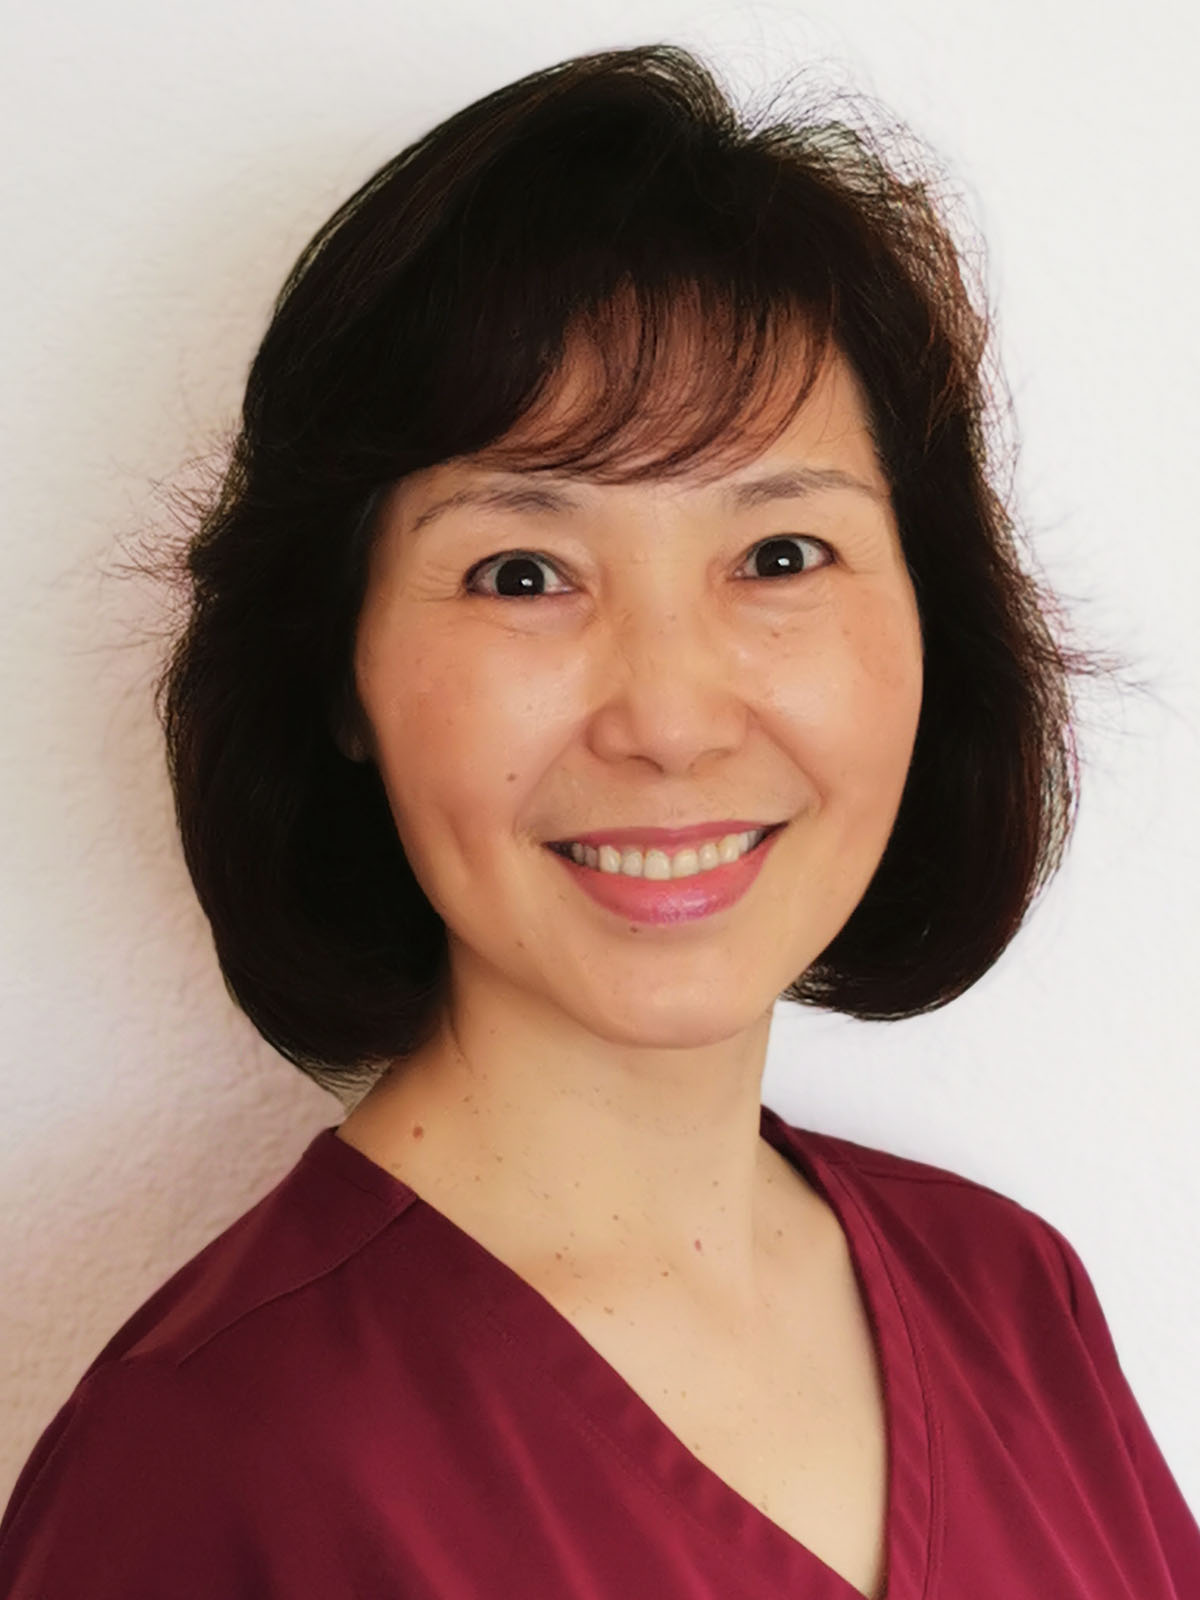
(667, 688)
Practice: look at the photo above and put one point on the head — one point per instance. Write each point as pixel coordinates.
(723, 384)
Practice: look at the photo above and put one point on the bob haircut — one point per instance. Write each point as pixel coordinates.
(620, 197)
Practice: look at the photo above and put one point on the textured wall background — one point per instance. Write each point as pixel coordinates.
(163, 167)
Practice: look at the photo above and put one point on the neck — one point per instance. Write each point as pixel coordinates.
(548, 1145)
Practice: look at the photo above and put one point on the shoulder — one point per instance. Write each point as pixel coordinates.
(224, 1378)
(320, 1221)
(941, 1227)
(257, 1317)
(131, 1469)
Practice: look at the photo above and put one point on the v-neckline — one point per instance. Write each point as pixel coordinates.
(762, 1556)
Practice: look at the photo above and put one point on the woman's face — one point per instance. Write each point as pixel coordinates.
(541, 658)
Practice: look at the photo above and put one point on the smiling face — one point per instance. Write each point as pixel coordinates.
(542, 657)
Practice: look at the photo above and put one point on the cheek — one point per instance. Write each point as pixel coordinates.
(461, 733)
(853, 709)
(888, 684)
(851, 722)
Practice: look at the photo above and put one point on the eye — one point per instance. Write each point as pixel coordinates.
(517, 575)
(778, 557)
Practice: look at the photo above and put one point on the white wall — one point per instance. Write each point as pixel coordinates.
(163, 165)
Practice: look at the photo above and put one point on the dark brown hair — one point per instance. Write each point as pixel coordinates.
(422, 323)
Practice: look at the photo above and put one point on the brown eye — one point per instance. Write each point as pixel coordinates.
(517, 576)
(788, 555)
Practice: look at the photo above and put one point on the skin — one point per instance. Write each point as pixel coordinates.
(591, 1102)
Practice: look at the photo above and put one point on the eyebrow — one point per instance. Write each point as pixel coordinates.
(500, 497)
(795, 483)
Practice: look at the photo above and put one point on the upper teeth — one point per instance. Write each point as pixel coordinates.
(635, 863)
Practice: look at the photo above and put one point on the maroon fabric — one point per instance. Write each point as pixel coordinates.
(345, 1397)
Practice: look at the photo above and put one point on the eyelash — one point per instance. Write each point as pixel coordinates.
(532, 555)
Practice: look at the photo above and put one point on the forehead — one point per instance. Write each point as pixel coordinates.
(780, 451)
(657, 389)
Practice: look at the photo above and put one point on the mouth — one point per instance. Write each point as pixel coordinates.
(627, 853)
(648, 886)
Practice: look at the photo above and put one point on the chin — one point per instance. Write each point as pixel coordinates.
(677, 1023)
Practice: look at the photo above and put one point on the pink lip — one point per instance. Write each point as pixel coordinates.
(669, 839)
(674, 899)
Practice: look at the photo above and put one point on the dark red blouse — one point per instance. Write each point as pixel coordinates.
(346, 1397)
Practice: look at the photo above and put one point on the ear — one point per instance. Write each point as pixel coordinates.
(351, 744)
(351, 731)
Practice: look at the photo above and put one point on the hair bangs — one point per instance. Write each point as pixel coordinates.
(604, 304)
(661, 381)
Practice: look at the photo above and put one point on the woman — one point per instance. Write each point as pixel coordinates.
(607, 625)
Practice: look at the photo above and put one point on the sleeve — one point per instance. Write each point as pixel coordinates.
(125, 1498)
(1178, 1533)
